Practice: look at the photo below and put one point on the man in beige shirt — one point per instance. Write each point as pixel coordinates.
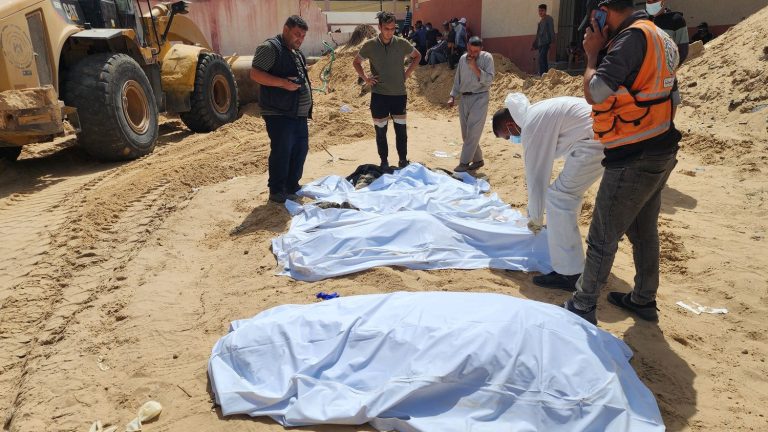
(472, 81)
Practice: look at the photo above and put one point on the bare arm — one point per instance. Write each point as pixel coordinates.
(357, 63)
(415, 59)
(269, 80)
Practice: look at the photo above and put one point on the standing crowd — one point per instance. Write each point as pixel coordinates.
(621, 133)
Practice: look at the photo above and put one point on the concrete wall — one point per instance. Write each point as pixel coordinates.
(509, 28)
(438, 11)
(238, 26)
(396, 6)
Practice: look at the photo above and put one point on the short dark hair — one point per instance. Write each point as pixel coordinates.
(385, 17)
(475, 41)
(294, 21)
(543, 6)
(499, 118)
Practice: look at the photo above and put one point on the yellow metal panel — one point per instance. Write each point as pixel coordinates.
(179, 65)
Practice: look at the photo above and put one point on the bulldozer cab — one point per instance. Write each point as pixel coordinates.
(103, 14)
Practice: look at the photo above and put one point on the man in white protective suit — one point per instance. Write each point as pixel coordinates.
(554, 128)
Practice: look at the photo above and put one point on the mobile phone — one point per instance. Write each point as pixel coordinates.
(600, 17)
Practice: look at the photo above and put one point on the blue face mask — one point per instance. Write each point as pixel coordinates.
(653, 8)
(514, 138)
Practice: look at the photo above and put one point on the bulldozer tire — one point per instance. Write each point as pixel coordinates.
(117, 109)
(10, 153)
(214, 100)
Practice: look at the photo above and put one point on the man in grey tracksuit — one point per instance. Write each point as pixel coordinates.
(472, 80)
(545, 36)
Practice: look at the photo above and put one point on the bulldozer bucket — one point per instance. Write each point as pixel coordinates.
(248, 89)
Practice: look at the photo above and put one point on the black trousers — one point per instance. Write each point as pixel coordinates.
(289, 145)
(383, 107)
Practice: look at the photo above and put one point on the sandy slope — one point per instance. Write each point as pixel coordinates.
(116, 279)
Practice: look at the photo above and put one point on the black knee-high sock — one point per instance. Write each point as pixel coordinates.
(381, 141)
(401, 141)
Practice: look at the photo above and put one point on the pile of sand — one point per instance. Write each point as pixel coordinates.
(430, 86)
(725, 96)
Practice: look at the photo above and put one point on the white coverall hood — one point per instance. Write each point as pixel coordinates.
(518, 105)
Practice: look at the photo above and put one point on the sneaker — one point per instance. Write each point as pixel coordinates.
(403, 163)
(557, 281)
(278, 197)
(292, 197)
(463, 167)
(647, 312)
(590, 315)
(384, 165)
(475, 165)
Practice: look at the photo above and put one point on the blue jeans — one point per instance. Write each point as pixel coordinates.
(543, 63)
(628, 202)
(289, 145)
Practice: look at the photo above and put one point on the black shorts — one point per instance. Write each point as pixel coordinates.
(383, 106)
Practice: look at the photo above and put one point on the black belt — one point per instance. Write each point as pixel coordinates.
(470, 93)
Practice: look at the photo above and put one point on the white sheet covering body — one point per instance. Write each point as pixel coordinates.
(414, 218)
(431, 361)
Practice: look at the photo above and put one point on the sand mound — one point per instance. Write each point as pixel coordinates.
(728, 83)
(360, 34)
(430, 86)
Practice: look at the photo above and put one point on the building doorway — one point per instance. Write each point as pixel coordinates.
(568, 37)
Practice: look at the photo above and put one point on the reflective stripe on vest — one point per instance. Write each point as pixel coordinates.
(632, 115)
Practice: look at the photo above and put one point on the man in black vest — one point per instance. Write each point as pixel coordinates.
(285, 98)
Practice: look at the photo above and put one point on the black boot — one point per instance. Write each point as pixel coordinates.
(557, 281)
(647, 312)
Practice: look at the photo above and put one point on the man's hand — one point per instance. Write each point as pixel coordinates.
(371, 79)
(451, 102)
(534, 227)
(289, 84)
(594, 41)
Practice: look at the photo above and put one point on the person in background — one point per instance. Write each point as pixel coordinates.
(630, 81)
(431, 35)
(419, 38)
(386, 53)
(545, 35)
(285, 97)
(472, 81)
(671, 22)
(555, 128)
(451, 38)
(459, 41)
(438, 53)
(702, 34)
(405, 30)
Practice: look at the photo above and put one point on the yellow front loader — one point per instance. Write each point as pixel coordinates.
(107, 67)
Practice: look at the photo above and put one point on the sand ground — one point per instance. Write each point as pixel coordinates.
(117, 279)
